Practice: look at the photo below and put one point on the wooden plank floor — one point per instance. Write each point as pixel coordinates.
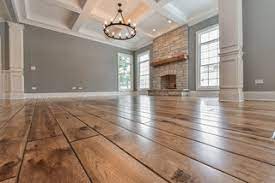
(136, 139)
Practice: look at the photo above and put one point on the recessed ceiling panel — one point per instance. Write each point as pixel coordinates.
(194, 7)
(108, 9)
(86, 17)
(156, 24)
(47, 13)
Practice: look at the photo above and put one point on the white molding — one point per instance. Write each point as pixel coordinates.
(74, 94)
(260, 95)
(198, 54)
(201, 17)
(138, 70)
(143, 45)
(204, 93)
(132, 71)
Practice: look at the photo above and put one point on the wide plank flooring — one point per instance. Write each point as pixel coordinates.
(125, 139)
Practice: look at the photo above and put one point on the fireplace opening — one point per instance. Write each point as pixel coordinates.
(168, 82)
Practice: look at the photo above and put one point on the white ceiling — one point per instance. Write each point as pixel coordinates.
(4, 13)
(85, 18)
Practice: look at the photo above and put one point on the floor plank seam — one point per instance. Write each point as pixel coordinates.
(122, 149)
(89, 177)
(180, 119)
(84, 138)
(238, 131)
(163, 146)
(7, 121)
(24, 151)
(180, 136)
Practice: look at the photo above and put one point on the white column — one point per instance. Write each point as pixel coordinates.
(231, 45)
(15, 86)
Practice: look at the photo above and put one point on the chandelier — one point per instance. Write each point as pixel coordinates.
(118, 24)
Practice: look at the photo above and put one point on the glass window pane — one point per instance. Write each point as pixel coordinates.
(204, 38)
(209, 58)
(124, 72)
(144, 71)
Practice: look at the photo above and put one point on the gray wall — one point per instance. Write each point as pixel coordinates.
(63, 61)
(136, 53)
(192, 48)
(4, 34)
(259, 44)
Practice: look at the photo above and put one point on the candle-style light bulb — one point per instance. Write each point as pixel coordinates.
(134, 24)
(119, 34)
(105, 22)
(129, 21)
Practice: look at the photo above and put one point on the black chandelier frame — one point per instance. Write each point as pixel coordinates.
(131, 29)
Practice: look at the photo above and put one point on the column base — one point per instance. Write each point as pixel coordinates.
(231, 95)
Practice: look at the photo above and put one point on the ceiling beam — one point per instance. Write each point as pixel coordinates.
(173, 13)
(65, 4)
(85, 14)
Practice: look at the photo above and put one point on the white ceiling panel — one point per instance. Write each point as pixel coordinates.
(42, 11)
(86, 17)
(194, 7)
(158, 23)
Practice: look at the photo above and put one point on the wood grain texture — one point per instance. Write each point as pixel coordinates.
(137, 139)
(73, 128)
(44, 125)
(13, 180)
(250, 150)
(107, 163)
(13, 137)
(51, 160)
(171, 165)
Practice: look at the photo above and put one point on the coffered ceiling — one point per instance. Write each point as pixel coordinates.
(4, 13)
(85, 18)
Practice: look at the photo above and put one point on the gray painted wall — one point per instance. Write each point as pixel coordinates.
(259, 44)
(63, 61)
(192, 48)
(4, 34)
(136, 53)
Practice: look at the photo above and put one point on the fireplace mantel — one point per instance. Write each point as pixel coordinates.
(178, 58)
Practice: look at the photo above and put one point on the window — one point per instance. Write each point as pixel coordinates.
(125, 72)
(208, 59)
(144, 70)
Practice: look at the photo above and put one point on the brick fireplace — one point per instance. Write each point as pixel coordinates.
(169, 68)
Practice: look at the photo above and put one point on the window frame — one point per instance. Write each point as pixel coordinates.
(138, 60)
(131, 70)
(198, 58)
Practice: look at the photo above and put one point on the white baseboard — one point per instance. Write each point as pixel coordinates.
(73, 94)
(248, 95)
(260, 95)
(204, 93)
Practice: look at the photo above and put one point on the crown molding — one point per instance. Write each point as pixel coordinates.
(202, 16)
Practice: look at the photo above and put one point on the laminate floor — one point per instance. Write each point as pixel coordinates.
(136, 139)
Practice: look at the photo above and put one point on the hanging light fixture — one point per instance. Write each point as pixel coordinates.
(126, 30)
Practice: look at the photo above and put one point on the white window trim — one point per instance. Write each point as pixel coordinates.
(138, 63)
(132, 72)
(198, 63)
